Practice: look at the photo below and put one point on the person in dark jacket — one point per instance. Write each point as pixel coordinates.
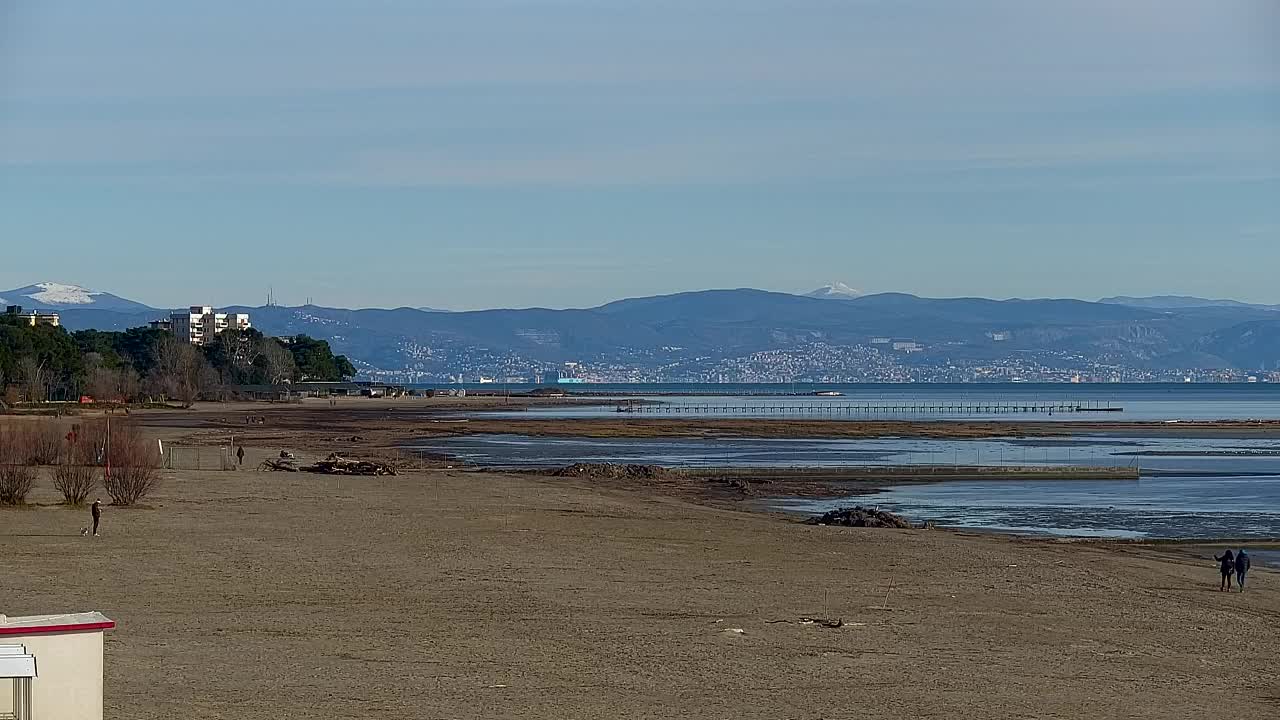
(1242, 568)
(96, 511)
(1227, 564)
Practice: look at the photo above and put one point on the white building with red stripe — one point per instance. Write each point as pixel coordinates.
(56, 661)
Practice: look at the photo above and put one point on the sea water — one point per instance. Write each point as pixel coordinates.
(1191, 487)
(1137, 402)
(1167, 508)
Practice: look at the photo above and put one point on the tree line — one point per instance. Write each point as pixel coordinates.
(48, 363)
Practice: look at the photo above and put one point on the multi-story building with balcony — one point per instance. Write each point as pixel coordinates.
(200, 324)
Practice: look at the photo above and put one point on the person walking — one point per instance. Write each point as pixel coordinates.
(96, 511)
(1242, 568)
(240, 454)
(1227, 564)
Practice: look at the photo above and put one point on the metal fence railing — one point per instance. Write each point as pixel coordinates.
(198, 457)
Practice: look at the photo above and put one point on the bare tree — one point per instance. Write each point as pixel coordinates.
(277, 361)
(114, 385)
(128, 383)
(180, 371)
(16, 476)
(77, 475)
(41, 441)
(207, 380)
(100, 384)
(229, 347)
(135, 463)
(33, 376)
(3, 404)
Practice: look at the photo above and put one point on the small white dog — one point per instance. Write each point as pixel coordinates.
(84, 532)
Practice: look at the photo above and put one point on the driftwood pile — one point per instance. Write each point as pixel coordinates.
(335, 464)
(281, 465)
(860, 517)
(832, 624)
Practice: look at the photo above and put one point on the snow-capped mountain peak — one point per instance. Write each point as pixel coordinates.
(835, 291)
(62, 296)
(52, 293)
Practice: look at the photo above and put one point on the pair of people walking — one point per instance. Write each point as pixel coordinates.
(1229, 565)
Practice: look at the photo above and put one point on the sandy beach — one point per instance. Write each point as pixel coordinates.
(441, 593)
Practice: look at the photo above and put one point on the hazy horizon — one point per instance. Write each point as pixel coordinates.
(288, 302)
(554, 153)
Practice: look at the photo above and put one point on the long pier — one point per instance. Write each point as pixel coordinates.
(863, 409)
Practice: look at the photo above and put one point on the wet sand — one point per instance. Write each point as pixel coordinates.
(448, 594)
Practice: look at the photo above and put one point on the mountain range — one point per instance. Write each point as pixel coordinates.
(1180, 302)
(60, 296)
(1155, 332)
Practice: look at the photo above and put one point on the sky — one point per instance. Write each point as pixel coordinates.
(564, 153)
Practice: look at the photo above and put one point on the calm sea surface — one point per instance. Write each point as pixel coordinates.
(1191, 487)
(1137, 401)
(1177, 508)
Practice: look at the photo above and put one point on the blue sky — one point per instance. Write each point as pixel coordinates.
(569, 152)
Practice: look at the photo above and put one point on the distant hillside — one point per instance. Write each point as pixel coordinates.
(735, 323)
(1179, 302)
(728, 323)
(1253, 345)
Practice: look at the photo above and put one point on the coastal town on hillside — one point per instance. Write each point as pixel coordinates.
(813, 363)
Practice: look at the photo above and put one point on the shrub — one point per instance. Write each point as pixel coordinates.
(42, 441)
(77, 475)
(16, 476)
(15, 483)
(135, 464)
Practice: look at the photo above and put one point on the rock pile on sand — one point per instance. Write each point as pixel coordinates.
(860, 517)
(612, 471)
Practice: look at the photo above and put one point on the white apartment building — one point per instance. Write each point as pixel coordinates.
(200, 323)
(33, 317)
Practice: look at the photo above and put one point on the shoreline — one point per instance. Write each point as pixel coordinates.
(566, 597)
(389, 429)
(767, 428)
(1269, 544)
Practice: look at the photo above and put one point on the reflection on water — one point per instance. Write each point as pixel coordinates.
(1139, 402)
(1189, 488)
(1182, 508)
(1172, 456)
